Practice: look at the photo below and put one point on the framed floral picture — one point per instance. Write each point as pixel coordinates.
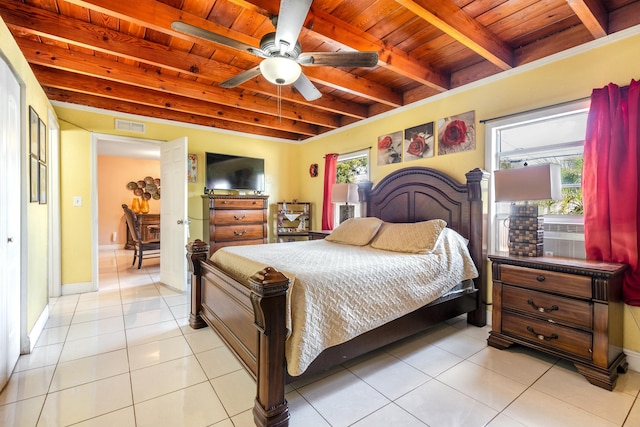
(418, 142)
(192, 168)
(33, 178)
(34, 128)
(457, 133)
(42, 141)
(390, 148)
(42, 185)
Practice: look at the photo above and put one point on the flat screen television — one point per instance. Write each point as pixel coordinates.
(225, 172)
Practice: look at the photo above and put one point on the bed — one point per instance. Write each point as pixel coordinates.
(255, 320)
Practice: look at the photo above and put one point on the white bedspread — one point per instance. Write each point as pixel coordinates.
(341, 291)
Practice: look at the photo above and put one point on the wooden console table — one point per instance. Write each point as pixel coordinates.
(149, 228)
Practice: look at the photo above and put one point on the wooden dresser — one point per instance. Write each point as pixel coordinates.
(569, 308)
(234, 220)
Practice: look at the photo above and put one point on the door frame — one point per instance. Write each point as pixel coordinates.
(124, 142)
(53, 170)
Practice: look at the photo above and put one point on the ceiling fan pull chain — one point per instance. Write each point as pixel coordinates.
(279, 103)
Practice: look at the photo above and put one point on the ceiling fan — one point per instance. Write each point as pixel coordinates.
(281, 52)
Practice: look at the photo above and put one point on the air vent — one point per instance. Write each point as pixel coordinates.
(130, 126)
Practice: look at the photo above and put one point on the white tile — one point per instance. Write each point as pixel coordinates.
(236, 391)
(181, 310)
(518, 363)
(145, 318)
(459, 343)
(86, 401)
(565, 383)
(203, 340)
(482, 384)
(390, 415)
(40, 356)
(52, 336)
(504, 421)
(243, 419)
(57, 320)
(535, 408)
(94, 328)
(193, 406)
(166, 377)
(428, 358)
(120, 418)
(27, 384)
(302, 414)
(218, 361)
(175, 298)
(389, 375)
(437, 404)
(342, 398)
(150, 333)
(22, 413)
(92, 346)
(88, 369)
(97, 313)
(142, 356)
(633, 419)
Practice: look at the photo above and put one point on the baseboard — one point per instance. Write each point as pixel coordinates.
(78, 288)
(633, 358)
(36, 331)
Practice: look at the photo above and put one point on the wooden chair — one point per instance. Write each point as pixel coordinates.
(141, 247)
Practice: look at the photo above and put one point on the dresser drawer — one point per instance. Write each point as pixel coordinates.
(238, 203)
(550, 307)
(233, 217)
(576, 342)
(548, 281)
(239, 232)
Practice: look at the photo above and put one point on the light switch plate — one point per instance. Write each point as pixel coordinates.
(77, 200)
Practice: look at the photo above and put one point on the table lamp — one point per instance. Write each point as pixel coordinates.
(530, 183)
(345, 193)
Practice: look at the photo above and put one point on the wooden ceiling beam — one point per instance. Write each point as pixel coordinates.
(122, 92)
(124, 107)
(449, 18)
(64, 59)
(592, 14)
(158, 16)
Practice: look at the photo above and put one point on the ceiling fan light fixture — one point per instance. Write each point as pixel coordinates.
(280, 71)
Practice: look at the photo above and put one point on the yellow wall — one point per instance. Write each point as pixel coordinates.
(114, 173)
(36, 214)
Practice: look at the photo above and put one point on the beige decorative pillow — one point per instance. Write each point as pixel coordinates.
(355, 231)
(415, 238)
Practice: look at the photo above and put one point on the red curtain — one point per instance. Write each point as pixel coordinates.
(610, 181)
(330, 162)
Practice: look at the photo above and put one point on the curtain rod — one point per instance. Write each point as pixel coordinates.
(559, 104)
(350, 152)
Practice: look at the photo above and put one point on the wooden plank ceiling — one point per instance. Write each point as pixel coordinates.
(125, 57)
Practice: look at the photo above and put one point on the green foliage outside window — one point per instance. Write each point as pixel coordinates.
(347, 171)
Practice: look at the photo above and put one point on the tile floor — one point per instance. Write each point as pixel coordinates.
(125, 356)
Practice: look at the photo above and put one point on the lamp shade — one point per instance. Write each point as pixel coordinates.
(280, 70)
(540, 182)
(345, 193)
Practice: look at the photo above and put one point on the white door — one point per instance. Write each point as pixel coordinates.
(9, 222)
(174, 224)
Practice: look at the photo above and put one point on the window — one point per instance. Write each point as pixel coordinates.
(351, 168)
(553, 135)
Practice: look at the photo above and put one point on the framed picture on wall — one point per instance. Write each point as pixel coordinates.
(42, 142)
(192, 168)
(34, 128)
(33, 176)
(42, 186)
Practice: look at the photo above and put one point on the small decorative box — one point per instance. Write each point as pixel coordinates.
(525, 249)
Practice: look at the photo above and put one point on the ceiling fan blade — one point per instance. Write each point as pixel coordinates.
(290, 20)
(306, 88)
(339, 59)
(238, 79)
(192, 30)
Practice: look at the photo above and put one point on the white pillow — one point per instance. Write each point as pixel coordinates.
(355, 231)
(415, 238)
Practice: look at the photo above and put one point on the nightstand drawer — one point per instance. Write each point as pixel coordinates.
(239, 232)
(550, 307)
(573, 341)
(548, 281)
(233, 217)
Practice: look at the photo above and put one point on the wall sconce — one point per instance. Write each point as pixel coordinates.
(526, 227)
(345, 193)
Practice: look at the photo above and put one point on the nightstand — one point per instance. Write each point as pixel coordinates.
(318, 234)
(569, 308)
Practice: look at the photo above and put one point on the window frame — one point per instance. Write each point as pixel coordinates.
(345, 157)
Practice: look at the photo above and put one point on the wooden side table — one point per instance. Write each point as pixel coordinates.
(569, 308)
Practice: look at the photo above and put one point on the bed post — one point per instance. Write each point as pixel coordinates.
(197, 251)
(269, 300)
(476, 187)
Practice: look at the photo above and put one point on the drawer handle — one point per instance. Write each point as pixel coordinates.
(240, 233)
(254, 202)
(542, 309)
(540, 278)
(540, 336)
(239, 218)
